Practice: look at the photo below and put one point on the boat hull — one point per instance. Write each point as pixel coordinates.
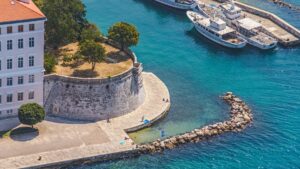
(217, 39)
(176, 5)
(260, 46)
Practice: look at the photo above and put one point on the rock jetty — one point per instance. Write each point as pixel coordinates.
(285, 4)
(240, 117)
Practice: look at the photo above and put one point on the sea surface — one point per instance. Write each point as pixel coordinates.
(197, 72)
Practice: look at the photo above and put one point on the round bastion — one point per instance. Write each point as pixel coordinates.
(94, 99)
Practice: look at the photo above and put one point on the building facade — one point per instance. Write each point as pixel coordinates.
(21, 55)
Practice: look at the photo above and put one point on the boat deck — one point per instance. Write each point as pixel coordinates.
(282, 35)
(262, 38)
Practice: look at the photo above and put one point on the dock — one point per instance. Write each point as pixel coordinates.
(286, 34)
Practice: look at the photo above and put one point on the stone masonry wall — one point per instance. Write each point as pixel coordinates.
(94, 99)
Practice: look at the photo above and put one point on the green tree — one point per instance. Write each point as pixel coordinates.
(39, 3)
(123, 33)
(66, 19)
(90, 32)
(92, 51)
(31, 114)
(49, 62)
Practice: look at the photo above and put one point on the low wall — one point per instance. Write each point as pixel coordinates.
(93, 98)
(89, 160)
(291, 29)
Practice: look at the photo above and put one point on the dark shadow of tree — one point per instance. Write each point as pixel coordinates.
(24, 133)
(86, 73)
(116, 57)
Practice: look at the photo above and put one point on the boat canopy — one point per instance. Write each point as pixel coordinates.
(215, 25)
(248, 24)
(231, 8)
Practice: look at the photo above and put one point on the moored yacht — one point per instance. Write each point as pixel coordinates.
(253, 32)
(216, 30)
(179, 4)
(231, 11)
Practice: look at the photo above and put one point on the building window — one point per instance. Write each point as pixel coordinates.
(9, 45)
(31, 79)
(0, 65)
(0, 45)
(20, 62)
(0, 101)
(31, 42)
(9, 98)
(9, 29)
(20, 43)
(0, 82)
(9, 81)
(10, 111)
(20, 96)
(31, 61)
(31, 27)
(20, 80)
(20, 28)
(31, 95)
(9, 64)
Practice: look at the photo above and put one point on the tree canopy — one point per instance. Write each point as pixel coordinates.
(92, 51)
(66, 19)
(31, 114)
(90, 32)
(123, 33)
(49, 62)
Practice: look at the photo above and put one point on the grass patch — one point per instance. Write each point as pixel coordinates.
(115, 63)
(17, 131)
(4, 134)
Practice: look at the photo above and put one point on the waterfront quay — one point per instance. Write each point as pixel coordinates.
(286, 34)
(61, 142)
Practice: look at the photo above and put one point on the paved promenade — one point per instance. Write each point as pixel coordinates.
(59, 140)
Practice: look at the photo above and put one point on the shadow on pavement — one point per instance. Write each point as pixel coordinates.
(24, 134)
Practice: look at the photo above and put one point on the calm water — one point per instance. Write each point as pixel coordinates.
(197, 72)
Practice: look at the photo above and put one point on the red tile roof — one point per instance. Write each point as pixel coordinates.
(15, 10)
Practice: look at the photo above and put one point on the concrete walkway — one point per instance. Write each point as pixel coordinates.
(60, 141)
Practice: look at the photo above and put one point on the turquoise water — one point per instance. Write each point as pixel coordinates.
(197, 72)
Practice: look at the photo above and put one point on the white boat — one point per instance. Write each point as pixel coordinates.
(253, 32)
(179, 4)
(205, 9)
(216, 30)
(231, 11)
(249, 29)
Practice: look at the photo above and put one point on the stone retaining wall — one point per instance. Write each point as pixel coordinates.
(240, 118)
(89, 160)
(94, 98)
(289, 28)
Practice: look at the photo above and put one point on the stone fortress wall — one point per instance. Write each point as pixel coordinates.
(94, 98)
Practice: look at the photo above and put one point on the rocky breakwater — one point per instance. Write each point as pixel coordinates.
(285, 4)
(240, 117)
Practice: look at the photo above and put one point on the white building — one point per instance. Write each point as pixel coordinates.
(21, 55)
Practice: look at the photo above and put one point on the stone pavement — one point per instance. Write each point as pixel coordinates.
(60, 141)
